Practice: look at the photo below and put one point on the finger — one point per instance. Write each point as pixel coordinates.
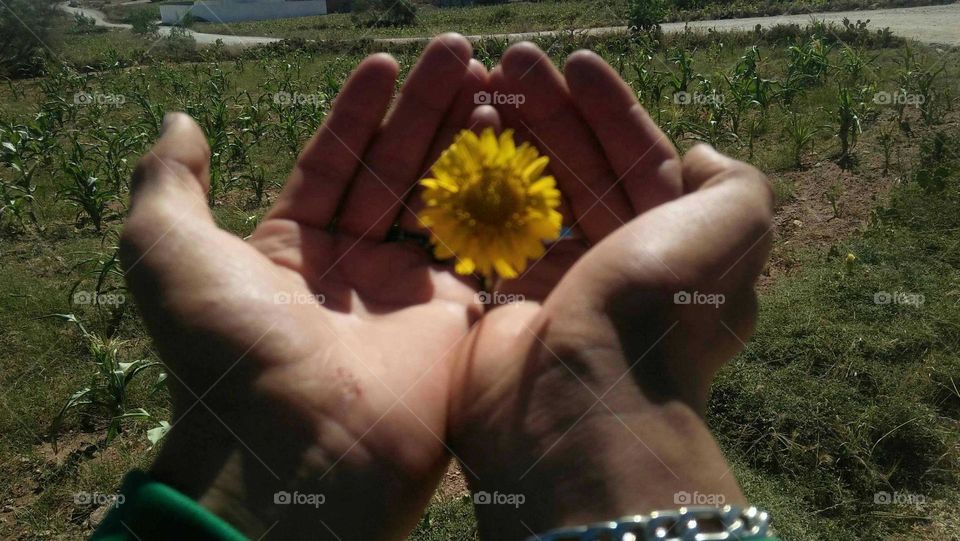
(479, 119)
(459, 117)
(394, 162)
(576, 158)
(172, 179)
(644, 160)
(510, 115)
(330, 159)
(704, 166)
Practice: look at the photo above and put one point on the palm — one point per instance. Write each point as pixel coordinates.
(316, 332)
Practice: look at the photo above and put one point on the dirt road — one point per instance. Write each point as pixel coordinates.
(930, 24)
(200, 37)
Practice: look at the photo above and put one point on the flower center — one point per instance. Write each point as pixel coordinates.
(495, 199)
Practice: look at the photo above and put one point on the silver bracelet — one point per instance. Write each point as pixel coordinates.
(729, 522)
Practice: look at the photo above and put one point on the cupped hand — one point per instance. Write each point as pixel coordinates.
(310, 365)
(587, 399)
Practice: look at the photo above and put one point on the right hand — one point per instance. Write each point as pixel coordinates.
(588, 398)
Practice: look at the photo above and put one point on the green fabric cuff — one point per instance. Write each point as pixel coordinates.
(150, 510)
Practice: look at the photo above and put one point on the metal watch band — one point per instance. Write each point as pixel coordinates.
(729, 522)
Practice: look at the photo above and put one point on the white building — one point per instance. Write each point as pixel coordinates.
(226, 11)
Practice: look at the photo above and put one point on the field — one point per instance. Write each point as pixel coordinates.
(850, 390)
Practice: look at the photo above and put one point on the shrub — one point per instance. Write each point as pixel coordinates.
(383, 13)
(144, 22)
(645, 15)
(26, 29)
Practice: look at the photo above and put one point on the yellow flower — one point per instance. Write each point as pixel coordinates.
(489, 205)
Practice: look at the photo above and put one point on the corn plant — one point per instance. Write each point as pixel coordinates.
(747, 86)
(849, 107)
(102, 270)
(210, 110)
(755, 127)
(833, 195)
(651, 85)
(853, 63)
(107, 393)
(801, 132)
(16, 90)
(15, 203)
(809, 61)
(114, 147)
(887, 138)
(152, 118)
(85, 190)
(681, 79)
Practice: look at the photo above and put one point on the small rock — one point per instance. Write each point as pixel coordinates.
(797, 223)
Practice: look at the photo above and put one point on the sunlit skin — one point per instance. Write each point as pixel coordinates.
(362, 398)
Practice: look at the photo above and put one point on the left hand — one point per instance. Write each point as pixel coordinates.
(314, 358)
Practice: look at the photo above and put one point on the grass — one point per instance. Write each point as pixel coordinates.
(838, 398)
(835, 400)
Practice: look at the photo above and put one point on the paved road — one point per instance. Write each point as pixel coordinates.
(931, 24)
(203, 39)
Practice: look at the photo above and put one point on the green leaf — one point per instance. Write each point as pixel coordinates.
(157, 433)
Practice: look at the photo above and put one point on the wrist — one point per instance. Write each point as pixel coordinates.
(606, 467)
(202, 461)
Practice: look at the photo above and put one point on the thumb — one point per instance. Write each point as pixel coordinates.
(167, 194)
(703, 164)
(176, 171)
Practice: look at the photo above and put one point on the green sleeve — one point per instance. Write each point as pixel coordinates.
(149, 510)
